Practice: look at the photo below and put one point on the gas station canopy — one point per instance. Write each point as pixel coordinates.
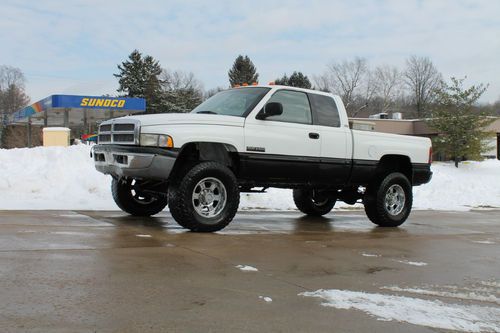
(69, 110)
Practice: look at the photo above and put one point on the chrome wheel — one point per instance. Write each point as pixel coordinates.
(209, 197)
(394, 201)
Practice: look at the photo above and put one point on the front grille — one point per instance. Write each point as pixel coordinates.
(123, 127)
(123, 138)
(105, 128)
(104, 138)
(119, 131)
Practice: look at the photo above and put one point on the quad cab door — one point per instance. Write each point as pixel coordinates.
(283, 148)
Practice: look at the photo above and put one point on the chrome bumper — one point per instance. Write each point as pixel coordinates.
(133, 161)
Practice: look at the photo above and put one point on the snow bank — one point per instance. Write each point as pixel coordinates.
(52, 178)
(436, 314)
(65, 178)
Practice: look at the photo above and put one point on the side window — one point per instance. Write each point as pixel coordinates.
(325, 110)
(296, 107)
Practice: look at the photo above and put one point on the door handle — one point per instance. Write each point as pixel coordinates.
(314, 135)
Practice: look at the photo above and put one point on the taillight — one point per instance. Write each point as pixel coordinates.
(430, 155)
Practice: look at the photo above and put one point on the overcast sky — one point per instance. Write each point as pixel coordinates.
(74, 46)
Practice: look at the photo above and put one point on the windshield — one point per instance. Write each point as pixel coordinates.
(235, 102)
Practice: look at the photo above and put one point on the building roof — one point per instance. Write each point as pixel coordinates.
(417, 127)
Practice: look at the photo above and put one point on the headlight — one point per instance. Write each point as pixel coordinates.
(156, 140)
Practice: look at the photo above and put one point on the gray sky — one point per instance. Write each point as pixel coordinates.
(74, 46)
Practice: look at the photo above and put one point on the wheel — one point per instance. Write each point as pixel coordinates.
(388, 203)
(311, 203)
(206, 199)
(135, 203)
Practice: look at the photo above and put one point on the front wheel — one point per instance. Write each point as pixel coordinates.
(388, 203)
(130, 199)
(206, 199)
(313, 203)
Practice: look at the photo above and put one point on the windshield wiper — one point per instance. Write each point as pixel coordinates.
(207, 112)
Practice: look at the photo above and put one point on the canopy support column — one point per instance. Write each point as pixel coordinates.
(28, 125)
(66, 118)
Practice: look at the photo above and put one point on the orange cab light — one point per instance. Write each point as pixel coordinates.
(236, 86)
(245, 84)
(272, 83)
(254, 84)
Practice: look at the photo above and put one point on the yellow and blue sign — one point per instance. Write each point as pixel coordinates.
(81, 102)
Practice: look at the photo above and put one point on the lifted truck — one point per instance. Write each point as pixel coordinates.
(258, 137)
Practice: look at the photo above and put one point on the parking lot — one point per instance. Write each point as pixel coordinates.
(88, 271)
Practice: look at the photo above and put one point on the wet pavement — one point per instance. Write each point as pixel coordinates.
(86, 271)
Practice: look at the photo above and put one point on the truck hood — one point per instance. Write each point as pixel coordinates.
(187, 118)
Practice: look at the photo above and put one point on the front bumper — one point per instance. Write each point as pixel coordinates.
(134, 161)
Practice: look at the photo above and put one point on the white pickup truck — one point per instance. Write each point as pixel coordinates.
(256, 137)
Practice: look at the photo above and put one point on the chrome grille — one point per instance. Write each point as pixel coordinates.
(119, 131)
(123, 127)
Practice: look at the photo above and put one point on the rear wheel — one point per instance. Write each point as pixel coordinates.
(313, 203)
(206, 199)
(130, 199)
(388, 203)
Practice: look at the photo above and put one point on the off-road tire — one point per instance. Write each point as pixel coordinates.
(305, 203)
(375, 204)
(181, 198)
(124, 198)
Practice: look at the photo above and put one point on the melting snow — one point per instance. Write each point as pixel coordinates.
(370, 255)
(144, 236)
(246, 268)
(436, 314)
(459, 293)
(267, 299)
(412, 263)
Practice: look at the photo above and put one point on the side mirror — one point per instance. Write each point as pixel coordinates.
(270, 109)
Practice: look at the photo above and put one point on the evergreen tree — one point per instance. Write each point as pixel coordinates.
(140, 77)
(242, 72)
(297, 79)
(461, 127)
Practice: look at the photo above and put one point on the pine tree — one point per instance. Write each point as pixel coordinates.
(297, 79)
(140, 77)
(461, 127)
(242, 72)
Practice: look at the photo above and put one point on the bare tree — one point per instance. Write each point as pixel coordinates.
(388, 85)
(422, 79)
(182, 92)
(349, 79)
(210, 92)
(11, 76)
(12, 95)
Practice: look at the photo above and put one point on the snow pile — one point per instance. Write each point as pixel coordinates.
(52, 178)
(436, 314)
(472, 184)
(65, 178)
